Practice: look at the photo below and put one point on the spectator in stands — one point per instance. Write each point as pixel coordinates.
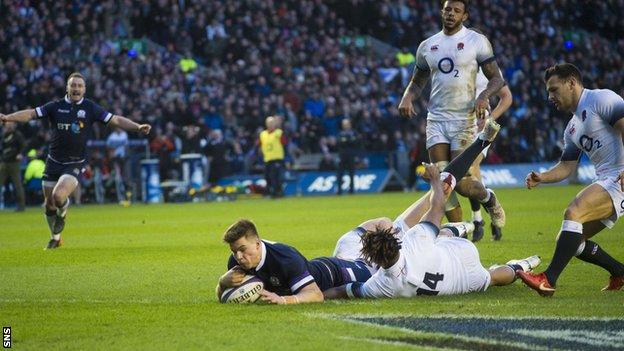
(217, 152)
(191, 143)
(312, 51)
(163, 147)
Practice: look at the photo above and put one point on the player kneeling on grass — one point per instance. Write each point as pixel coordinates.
(428, 261)
(288, 277)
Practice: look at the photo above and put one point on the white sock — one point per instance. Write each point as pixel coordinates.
(487, 196)
(461, 229)
(476, 216)
(56, 237)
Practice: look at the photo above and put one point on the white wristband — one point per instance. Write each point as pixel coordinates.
(349, 289)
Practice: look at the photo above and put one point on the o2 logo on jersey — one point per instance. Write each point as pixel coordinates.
(446, 66)
(588, 143)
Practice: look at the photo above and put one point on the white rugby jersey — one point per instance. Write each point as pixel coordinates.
(591, 130)
(453, 61)
(426, 266)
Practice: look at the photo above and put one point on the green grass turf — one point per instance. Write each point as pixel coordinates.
(143, 277)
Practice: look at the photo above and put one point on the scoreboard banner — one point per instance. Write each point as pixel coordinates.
(513, 175)
(325, 183)
(319, 183)
(375, 180)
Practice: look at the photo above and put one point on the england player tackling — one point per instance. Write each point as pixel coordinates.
(596, 128)
(452, 58)
(426, 260)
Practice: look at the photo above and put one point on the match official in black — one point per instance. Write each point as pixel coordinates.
(71, 119)
(348, 144)
(10, 157)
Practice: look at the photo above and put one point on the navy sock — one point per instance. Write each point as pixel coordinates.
(594, 254)
(460, 164)
(516, 267)
(567, 244)
(453, 230)
(475, 205)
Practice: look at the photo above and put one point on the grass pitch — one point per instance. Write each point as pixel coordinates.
(143, 277)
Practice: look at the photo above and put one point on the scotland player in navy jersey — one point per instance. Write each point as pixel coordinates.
(288, 277)
(71, 119)
(596, 128)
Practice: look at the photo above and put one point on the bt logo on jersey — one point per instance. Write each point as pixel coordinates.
(74, 127)
(63, 126)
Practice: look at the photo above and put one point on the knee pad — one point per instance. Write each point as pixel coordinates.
(452, 202)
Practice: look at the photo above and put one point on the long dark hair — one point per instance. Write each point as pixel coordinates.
(380, 246)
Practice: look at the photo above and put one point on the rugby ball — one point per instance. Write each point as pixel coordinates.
(247, 292)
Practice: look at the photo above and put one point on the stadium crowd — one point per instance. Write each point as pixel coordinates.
(221, 67)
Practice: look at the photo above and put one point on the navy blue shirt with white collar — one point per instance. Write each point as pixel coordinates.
(71, 126)
(285, 271)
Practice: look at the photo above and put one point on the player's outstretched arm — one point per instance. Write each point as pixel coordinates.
(495, 83)
(128, 125)
(412, 91)
(506, 99)
(438, 195)
(372, 289)
(559, 172)
(374, 223)
(339, 292)
(310, 293)
(19, 116)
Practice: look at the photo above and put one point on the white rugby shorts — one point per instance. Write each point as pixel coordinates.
(612, 186)
(471, 275)
(458, 134)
